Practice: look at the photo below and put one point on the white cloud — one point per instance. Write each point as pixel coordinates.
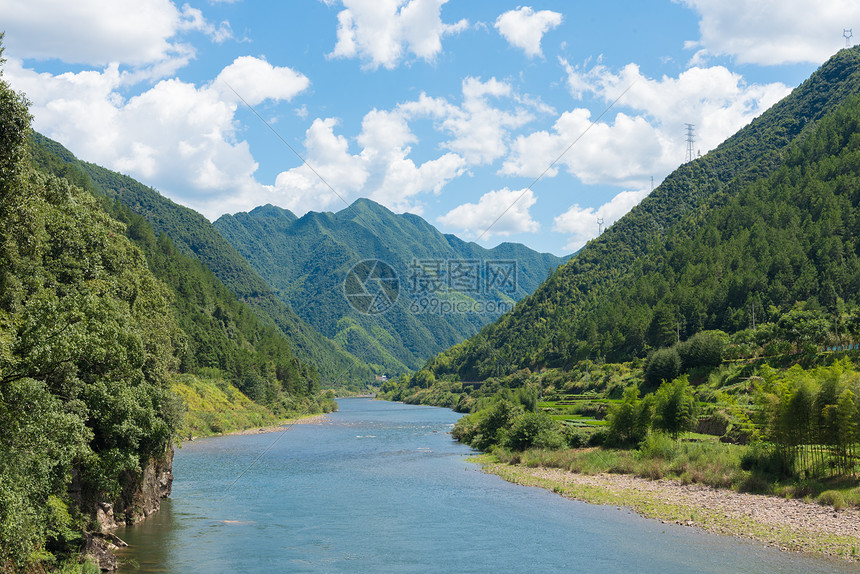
(256, 80)
(581, 223)
(770, 32)
(501, 212)
(382, 169)
(629, 149)
(339, 174)
(479, 130)
(380, 31)
(524, 28)
(176, 136)
(98, 32)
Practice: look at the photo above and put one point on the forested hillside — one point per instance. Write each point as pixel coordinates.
(704, 248)
(190, 234)
(308, 259)
(87, 341)
(99, 319)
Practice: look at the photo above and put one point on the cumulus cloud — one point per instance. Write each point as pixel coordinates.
(770, 32)
(502, 212)
(256, 80)
(176, 136)
(381, 31)
(381, 170)
(581, 223)
(524, 28)
(335, 177)
(479, 130)
(647, 139)
(99, 32)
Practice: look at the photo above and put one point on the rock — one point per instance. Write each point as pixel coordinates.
(141, 494)
(99, 550)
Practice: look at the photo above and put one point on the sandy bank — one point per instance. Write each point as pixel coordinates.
(787, 524)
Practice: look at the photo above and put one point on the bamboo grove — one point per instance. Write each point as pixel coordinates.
(811, 417)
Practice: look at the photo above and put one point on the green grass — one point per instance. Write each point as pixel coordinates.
(215, 406)
(706, 462)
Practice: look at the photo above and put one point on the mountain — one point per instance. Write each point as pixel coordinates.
(695, 254)
(438, 289)
(192, 236)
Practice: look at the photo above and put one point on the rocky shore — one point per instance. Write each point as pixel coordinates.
(787, 524)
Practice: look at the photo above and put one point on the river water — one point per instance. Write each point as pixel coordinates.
(381, 487)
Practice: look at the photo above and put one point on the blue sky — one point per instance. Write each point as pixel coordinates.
(448, 109)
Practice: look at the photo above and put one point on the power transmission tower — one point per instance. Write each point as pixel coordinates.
(599, 225)
(847, 33)
(691, 140)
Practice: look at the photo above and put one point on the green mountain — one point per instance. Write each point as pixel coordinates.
(762, 221)
(87, 345)
(436, 289)
(189, 234)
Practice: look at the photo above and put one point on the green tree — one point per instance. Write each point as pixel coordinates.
(674, 407)
(662, 365)
(630, 419)
(800, 326)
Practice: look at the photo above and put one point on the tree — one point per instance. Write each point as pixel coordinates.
(800, 326)
(662, 365)
(530, 429)
(704, 349)
(630, 419)
(674, 407)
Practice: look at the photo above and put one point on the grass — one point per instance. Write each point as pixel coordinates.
(706, 462)
(215, 407)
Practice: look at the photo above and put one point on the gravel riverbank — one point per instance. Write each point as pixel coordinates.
(787, 524)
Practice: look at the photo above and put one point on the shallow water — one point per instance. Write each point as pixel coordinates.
(381, 487)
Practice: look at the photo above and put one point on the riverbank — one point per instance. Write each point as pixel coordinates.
(302, 420)
(786, 524)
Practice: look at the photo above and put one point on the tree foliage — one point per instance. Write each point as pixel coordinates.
(767, 219)
(156, 223)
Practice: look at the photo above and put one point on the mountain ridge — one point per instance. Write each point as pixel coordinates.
(307, 260)
(192, 235)
(551, 327)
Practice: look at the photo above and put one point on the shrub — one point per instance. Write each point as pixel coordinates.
(658, 445)
(674, 407)
(598, 438)
(763, 460)
(704, 349)
(832, 498)
(662, 365)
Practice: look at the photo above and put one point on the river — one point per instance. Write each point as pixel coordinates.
(381, 487)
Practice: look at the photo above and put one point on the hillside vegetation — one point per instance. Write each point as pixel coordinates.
(307, 260)
(191, 235)
(87, 343)
(105, 329)
(575, 314)
(738, 319)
